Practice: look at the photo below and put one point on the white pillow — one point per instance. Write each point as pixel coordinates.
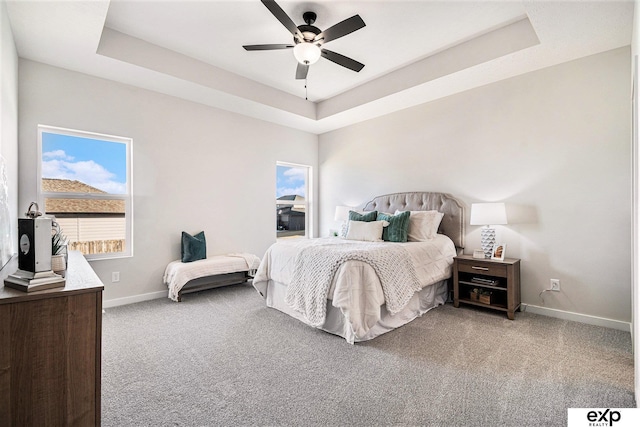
(366, 231)
(423, 225)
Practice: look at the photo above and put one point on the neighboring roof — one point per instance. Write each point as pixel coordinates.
(292, 197)
(82, 206)
(291, 210)
(67, 186)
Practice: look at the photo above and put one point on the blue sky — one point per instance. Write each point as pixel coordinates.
(101, 164)
(290, 180)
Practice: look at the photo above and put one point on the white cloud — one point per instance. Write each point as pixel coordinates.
(289, 191)
(292, 182)
(57, 154)
(89, 172)
(295, 173)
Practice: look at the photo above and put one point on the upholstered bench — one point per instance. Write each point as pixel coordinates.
(212, 272)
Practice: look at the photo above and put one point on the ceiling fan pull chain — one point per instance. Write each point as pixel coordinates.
(306, 92)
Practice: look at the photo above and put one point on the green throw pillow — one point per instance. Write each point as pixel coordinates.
(398, 226)
(368, 217)
(193, 247)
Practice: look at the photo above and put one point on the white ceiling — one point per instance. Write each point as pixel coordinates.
(413, 51)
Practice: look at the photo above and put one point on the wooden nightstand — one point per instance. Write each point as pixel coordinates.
(499, 278)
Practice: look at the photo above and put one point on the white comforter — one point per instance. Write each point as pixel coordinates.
(355, 288)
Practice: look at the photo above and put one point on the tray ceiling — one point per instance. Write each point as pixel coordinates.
(413, 51)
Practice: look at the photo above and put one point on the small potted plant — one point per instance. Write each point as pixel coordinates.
(58, 249)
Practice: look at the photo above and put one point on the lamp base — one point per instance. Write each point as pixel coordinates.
(344, 229)
(487, 240)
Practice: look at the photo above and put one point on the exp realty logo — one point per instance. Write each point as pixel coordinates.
(603, 417)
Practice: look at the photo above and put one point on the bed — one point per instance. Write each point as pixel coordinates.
(360, 290)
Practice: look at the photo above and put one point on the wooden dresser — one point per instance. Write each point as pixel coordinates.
(50, 352)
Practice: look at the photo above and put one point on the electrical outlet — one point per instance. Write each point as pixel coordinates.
(115, 276)
(555, 285)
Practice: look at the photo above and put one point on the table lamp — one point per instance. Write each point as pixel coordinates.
(488, 214)
(342, 215)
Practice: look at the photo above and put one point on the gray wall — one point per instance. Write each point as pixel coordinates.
(555, 145)
(194, 167)
(9, 127)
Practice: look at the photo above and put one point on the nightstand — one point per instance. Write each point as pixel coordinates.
(497, 283)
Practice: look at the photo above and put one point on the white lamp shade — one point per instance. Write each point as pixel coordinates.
(306, 53)
(342, 213)
(488, 214)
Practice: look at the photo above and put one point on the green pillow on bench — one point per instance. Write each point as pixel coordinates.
(193, 247)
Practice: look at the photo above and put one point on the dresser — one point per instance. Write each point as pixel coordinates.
(50, 351)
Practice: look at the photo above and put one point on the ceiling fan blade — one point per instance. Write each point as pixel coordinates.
(346, 62)
(283, 18)
(267, 46)
(301, 71)
(341, 29)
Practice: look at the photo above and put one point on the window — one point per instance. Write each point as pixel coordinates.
(292, 200)
(85, 182)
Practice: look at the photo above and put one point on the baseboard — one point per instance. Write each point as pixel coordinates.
(544, 311)
(133, 299)
(577, 317)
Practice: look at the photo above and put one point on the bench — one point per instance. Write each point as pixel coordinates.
(212, 272)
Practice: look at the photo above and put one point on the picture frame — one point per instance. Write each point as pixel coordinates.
(498, 251)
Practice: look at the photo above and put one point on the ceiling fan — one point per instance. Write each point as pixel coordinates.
(309, 40)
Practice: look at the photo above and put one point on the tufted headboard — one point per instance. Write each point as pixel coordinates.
(452, 224)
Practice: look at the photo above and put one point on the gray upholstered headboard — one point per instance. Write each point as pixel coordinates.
(452, 224)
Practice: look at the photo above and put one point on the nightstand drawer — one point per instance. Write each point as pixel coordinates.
(486, 268)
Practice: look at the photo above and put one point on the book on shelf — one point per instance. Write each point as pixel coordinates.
(483, 281)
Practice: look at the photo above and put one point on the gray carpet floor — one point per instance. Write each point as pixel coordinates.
(221, 358)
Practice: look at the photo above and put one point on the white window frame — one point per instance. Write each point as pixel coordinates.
(308, 223)
(127, 197)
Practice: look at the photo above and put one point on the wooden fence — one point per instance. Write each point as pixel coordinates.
(98, 246)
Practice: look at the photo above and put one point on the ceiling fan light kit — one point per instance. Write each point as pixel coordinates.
(306, 53)
(309, 40)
